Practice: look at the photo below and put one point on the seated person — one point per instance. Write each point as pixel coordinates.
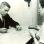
(5, 19)
(41, 31)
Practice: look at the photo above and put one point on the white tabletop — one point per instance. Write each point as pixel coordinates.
(15, 37)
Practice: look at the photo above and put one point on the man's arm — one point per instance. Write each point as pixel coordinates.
(32, 34)
(13, 23)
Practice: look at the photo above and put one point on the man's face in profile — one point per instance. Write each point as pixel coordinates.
(41, 10)
(4, 10)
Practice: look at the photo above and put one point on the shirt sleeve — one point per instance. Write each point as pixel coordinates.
(12, 23)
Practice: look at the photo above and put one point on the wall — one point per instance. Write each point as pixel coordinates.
(23, 14)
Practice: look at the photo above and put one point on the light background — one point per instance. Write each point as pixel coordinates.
(21, 13)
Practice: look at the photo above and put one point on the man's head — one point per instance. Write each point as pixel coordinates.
(41, 7)
(4, 8)
(42, 3)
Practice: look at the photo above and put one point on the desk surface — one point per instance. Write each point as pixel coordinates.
(15, 37)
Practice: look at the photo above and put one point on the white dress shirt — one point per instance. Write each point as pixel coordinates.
(41, 33)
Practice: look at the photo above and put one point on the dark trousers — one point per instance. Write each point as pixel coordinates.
(30, 41)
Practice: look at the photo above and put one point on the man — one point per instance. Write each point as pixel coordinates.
(5, 19)
(41, 12)
(41, 31)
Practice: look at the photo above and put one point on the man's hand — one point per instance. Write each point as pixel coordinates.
(3, 30)
(18, 28)
(37, 37)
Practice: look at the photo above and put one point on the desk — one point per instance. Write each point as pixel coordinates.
(15, 37)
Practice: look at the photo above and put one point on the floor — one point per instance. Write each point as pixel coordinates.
(15, 37)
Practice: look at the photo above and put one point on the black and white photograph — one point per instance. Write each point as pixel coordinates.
(21, 21)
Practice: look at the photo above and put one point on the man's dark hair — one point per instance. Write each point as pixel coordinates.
(5, 4)
(42, 3)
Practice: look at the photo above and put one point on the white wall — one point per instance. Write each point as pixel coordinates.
(21, 13)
